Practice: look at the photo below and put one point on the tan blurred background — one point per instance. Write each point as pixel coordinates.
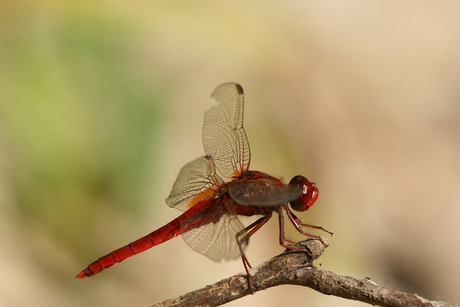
(101, 104)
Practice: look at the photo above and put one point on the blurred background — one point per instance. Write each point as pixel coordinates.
(102, 103)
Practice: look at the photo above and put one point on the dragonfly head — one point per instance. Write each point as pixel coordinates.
(309, 195)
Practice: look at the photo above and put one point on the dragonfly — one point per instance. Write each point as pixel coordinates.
(215, 189)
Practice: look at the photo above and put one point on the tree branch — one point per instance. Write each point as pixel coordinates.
(296, 268)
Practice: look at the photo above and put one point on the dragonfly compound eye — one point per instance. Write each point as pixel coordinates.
(309, 195)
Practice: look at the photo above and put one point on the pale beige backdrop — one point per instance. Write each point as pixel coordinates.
(102, 102)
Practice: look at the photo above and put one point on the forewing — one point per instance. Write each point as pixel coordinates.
(224, 138)
(217, 239)
(259, 193)
(196, 181)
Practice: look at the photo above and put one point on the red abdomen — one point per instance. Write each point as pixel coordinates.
(159, 236)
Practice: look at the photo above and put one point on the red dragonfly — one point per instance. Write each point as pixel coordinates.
(210, 223)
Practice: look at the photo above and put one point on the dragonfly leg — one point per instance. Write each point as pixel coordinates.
(298, 224)
(251, 229)
(286, 242)
(242, 238)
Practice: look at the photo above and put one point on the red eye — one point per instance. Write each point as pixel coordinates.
(309, 196)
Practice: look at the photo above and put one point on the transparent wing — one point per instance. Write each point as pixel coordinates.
(196, 181)
(259, 192)
(216, 239)
(224, 138)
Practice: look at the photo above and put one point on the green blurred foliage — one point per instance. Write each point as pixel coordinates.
(78, 118)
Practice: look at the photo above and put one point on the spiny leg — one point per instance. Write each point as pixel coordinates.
(242, 237)
(282, 237)
(298, 224)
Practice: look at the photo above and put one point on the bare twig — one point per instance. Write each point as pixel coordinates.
(296, 268)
